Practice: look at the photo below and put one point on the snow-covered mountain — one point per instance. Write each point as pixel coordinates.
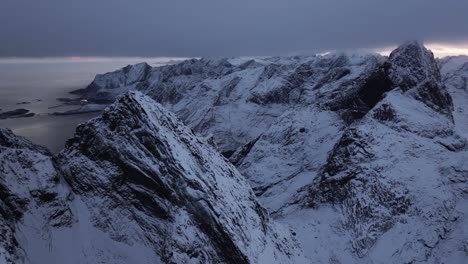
(364, 157)
(132, 186)
(236, 100)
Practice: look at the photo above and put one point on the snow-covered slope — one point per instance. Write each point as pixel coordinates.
(133, 186)
(393, 189)
(455, 76)
(29, 191)
(237, 100)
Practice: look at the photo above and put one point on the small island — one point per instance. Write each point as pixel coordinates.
(17, 113)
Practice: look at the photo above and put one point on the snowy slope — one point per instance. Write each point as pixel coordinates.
(236, 100)
(393, 189)
(455, 76)
(28, 185)
(134, 186)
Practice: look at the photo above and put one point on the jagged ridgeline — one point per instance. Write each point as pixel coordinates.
(338, 158)
(133, 186)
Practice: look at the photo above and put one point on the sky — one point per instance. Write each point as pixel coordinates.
(204, 28)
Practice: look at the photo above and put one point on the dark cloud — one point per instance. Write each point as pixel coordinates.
(221, 27)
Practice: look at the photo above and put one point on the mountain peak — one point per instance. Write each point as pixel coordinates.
(412, 63)
(413, 68)
(182, 195)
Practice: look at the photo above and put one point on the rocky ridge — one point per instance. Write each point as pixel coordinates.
(133, 186)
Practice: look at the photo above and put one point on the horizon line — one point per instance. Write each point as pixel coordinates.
(440, 50)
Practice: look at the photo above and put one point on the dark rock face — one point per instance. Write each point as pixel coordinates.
(385, 113)
(414, 70)
(341, 173)
(411, 67)
(435, 96)
(369, 207)
(11, 210)
(288, 93)
(237, 157)
(357, 97)
(410, 64)
(351, 149)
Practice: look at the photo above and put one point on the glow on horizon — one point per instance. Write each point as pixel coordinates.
(85, 59)
(440, 50)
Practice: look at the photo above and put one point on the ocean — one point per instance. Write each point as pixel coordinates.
(35, 85)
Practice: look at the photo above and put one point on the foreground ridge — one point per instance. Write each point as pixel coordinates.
(137, 180)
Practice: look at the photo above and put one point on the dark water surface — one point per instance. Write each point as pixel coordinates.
(41, 82)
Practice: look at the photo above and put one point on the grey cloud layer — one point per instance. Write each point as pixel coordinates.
(221, 28)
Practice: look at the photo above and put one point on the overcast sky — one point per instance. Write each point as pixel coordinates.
(222, 27)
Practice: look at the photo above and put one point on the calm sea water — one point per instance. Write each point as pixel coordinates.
(41, 82)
